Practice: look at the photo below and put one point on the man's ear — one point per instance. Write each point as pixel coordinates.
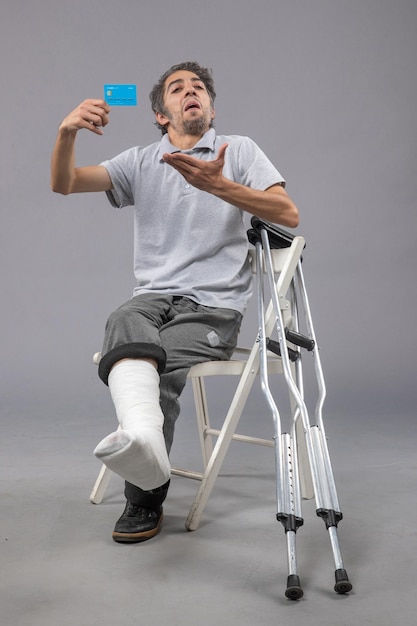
(161, 118)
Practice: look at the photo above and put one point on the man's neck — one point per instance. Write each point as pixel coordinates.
(183, 142)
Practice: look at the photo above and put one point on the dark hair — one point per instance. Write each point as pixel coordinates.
(157, 93)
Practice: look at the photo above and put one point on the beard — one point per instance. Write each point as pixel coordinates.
(196, 127)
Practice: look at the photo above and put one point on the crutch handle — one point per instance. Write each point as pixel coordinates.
(300, 340)
(274, 347)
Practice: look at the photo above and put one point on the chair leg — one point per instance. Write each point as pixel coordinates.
(203, 420)
(226, 435)
(100, 485)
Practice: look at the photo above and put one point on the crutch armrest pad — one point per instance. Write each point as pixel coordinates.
(278, 237)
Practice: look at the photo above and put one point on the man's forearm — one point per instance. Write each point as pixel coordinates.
(273, 204)
(63, 162)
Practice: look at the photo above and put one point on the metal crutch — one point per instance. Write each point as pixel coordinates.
(288, 494)
(326, 496)
(288, 488)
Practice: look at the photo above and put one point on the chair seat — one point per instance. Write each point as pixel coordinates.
(234, 367)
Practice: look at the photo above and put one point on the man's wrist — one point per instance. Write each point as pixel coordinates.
(66, 132)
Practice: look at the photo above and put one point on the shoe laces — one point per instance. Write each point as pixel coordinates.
(136, 510)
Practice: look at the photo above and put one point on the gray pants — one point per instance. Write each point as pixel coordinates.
(178, 333)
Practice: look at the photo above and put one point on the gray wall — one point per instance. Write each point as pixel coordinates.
(327, 88)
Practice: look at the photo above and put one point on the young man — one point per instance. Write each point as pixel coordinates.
(189, 192)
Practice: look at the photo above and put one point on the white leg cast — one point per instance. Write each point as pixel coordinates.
(137, 451)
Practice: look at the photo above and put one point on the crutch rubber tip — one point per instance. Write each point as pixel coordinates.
(293, 590)
(343, 584)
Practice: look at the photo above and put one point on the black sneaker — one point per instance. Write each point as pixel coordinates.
(137, 524)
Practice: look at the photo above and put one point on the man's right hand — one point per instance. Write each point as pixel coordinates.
(65, 177)
(90, 114)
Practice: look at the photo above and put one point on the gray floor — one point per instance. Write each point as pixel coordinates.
(60, 566)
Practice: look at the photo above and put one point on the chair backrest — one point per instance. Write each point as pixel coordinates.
(284, 263)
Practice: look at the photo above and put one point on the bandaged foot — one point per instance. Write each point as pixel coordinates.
(136, 451)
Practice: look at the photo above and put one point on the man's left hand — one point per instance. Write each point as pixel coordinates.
(205, 175)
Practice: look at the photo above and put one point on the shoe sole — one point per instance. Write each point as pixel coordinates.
(137, 537)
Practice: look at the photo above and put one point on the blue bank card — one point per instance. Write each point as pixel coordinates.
(120, 95)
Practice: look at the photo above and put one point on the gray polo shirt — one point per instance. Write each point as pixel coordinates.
(186, 241)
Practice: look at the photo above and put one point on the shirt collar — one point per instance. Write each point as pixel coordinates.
(206, 142)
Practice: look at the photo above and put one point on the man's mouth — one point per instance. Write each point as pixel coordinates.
(192, 104)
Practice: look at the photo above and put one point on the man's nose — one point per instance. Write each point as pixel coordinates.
(189, 88)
